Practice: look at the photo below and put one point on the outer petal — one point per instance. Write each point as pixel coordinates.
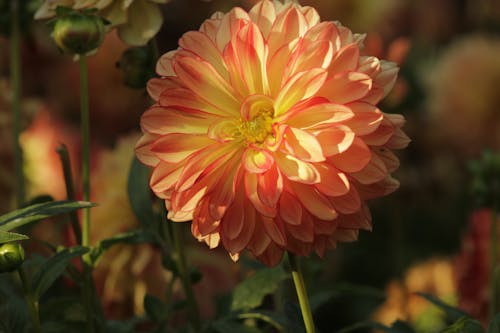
(354, 159)
(290, 209)
(175, 147)
(200, 44)
(346, 87)
(160, 120)
(315, 202)
(264, 15)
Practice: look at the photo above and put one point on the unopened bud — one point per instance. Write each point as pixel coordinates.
(78, 33)
(11, 257)
(137, 66)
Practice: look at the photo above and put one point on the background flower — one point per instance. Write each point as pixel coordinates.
(265, 131)
(467, 100)
(137, 21)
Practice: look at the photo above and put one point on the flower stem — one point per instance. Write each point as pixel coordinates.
(493, 263)
(300, 288)
(85, 133)
(180, 258)
(15, 74)
(32, 302)
(62, 150)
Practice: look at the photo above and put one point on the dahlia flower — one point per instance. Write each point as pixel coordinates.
(265, 131)
(137, 21)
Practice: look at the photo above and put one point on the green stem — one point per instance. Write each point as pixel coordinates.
(493, 263)
(32, 302)
(92, 306)
(85, 133)
(70, 192)
(300, 288)
(180, 259)
(15, 74)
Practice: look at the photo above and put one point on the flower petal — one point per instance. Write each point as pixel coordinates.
(299, 87)
(257, 160)
(161, 120)
(333, 182)
(346, 87)
(318, 115)
(297, 170)
(143, 23)
(200, 44)
(335, 140)
(270, 186)
(366, 120)
(203, 80)
(355, 158)
(175, 147)
(263, 14)
(302, 145)
(290, 209)
(315, 202)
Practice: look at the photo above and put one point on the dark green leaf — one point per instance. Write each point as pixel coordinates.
(226, 325)
(130, 237)
(7, 237)
(250, 293)
(452, 313)
(38, 212)
(274, 319)
(494, 326)
(465, 325)
(139, 193)
(397, 327)
(53, 268)
(155, 308)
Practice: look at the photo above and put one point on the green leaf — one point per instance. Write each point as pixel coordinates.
(465, 325)
(397, 327)
(7, 237)
(451, 312)
(226, 325)
(53, 268)
(139, 193)
(130, 237)
(155, 308)
(274, 319)
(494, 325)
(250, 293)
(38, 212)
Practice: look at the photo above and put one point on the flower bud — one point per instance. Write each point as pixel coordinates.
(11, 257)
(137, 66)
(78, 33)
(486, 179)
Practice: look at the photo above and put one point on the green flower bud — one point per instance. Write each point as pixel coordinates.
(137, 66)
(78, 33)
(11, 257)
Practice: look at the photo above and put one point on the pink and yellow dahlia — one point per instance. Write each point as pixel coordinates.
(265, 131)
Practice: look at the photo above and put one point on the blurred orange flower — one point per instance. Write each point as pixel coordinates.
(467, 100)
(435, 277)
(265, 131)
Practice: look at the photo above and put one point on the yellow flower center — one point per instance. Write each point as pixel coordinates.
(257, 129)
(256, 124)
